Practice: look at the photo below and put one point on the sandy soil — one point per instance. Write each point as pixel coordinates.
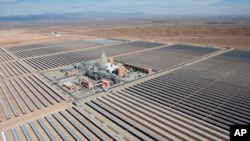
(20, 36)
(219, 35)
(236, 36)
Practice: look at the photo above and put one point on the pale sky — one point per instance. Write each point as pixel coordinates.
(156, 7)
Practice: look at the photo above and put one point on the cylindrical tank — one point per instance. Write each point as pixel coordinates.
(121, 71)
(67, 68)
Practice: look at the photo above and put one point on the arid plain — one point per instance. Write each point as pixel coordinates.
(235, 35)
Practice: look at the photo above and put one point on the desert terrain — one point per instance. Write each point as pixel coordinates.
(234, 35)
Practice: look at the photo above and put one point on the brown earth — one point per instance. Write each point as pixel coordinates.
(19, 36)
(219, 35)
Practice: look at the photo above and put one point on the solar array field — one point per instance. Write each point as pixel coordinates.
(148, 119)
(69, 124)
(51, 50)
(197, 101)
(12, 68)
(231, 68)
(52, 61)
(40, 45)
(1, 50)
(22, 95)
(46, 62)
(107, 41)
(5, 57)
(171, 55)
(157, 107)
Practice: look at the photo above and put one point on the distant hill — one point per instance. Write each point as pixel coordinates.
(85, 16)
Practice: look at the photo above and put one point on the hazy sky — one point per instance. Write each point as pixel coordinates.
(158, 7)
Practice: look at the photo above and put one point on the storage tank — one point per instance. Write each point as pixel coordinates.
(121, 71)
(67, 68)
(105, 83)
(72, 72)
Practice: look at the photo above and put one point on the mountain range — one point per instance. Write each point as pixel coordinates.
(84, 16)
